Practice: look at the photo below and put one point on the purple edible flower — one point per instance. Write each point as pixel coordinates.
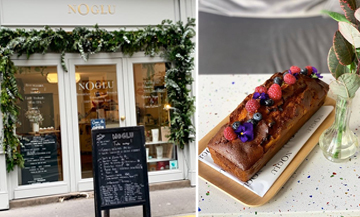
(245, 132)
(261, 96)
(314, 70)
(315, 73)
(256, 95)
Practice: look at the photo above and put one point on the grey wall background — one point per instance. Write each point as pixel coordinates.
(236, 45)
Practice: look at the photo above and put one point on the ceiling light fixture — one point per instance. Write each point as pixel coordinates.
(52, 77)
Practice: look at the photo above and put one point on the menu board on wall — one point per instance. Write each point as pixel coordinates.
(120, 169)
(40, 156)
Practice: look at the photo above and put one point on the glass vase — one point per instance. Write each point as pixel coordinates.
(338, 142)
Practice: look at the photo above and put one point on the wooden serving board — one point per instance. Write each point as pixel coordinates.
(244, 195)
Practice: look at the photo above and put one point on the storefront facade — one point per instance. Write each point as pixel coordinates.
(109, 90)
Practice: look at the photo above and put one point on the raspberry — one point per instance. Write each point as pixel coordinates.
(309, 68)
(252, 105)
(289, 79)
(295, 69)
(260, 89)
(274, 92)
(229, 134)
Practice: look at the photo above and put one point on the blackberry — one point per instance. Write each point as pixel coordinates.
(257, 116)
(278, 81)
(252, 121)
(269, 102)
(304, 71)
(236, 125)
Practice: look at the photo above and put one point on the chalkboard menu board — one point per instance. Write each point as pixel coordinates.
(120, 169)
(40, 156)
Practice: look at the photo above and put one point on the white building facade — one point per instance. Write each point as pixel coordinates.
(119, 89)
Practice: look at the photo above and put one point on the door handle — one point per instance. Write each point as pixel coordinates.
(122, 118)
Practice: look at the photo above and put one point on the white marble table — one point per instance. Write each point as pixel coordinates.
(317, 188)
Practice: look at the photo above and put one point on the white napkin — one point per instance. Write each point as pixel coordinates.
(261, 182)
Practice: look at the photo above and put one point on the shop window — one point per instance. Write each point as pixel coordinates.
(39, 128)
(97, 103)
(152, 112)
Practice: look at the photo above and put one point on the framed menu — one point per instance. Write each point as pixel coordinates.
(120, 169)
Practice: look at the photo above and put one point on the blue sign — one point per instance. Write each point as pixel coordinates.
(98, 124)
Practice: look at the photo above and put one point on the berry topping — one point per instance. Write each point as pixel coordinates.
(229, 134)
(252, 105)
(304, 71)
(236, 125)
(252, 121)
(289, 79)
(278, 81)
(295, 69)
(269, 102)
(260, 89)
(274, 92)
(261, 96)
(309, 69)
(287, 72)
(257, 116)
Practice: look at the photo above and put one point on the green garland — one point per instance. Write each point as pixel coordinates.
(171, 40)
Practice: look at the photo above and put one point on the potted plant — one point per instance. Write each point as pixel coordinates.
(35, 118)
(339, 143)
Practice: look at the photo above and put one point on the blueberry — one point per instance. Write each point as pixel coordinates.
(304, 71)
(269, 102)
(252, 121)
(278, 81)
(257, 117)
(236, 124)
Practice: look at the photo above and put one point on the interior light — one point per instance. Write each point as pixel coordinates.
(167, 106)
(77, 77)
(52, 78)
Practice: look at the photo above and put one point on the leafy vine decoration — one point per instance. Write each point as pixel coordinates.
(173, 41)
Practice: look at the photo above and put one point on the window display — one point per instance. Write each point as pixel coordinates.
(153, 113)
(97, 106)
(39, 126)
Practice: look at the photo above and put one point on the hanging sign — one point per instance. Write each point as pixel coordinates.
(98, 124)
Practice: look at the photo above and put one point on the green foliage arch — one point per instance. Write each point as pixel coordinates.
(173, 41)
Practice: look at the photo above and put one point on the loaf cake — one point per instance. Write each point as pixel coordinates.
(266, 120)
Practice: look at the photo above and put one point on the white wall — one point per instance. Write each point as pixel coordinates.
(105, 13)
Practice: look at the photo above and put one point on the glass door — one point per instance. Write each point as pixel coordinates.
(42, 130)
(153, 112)
(97, 93)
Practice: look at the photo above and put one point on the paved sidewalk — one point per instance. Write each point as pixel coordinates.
(173, 202)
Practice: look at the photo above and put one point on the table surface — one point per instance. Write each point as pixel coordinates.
(317, 188)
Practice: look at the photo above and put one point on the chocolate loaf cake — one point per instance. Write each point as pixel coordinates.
(266, 120)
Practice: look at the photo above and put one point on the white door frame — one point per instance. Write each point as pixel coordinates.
(58, 187)
(4, 195)
(80, 184)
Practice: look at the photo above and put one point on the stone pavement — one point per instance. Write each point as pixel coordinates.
(172, 202)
